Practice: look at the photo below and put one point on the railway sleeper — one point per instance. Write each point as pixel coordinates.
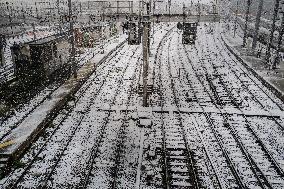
(181, 184)
(177, 151)
(179, 171)
(5, 163)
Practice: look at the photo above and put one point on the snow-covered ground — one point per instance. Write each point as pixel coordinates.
(213, 124)
(21, 112)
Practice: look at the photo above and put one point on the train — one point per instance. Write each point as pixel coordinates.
(189, 33)
(42, 59)
(134, 33)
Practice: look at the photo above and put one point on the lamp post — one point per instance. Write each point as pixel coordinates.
(169, 6)
(280, 37)
(10, 18)
(102, 30)
(257, 24)
(269, 45)
(246, 23)
(71, 19)
(2, 45)
(235, 25)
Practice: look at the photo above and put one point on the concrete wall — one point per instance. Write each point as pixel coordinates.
(60, 57)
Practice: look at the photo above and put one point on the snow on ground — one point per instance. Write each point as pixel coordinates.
(225, 129)
(24, 109)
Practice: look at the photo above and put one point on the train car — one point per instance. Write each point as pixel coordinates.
(134, 34)
(41, 59)
(189, 33)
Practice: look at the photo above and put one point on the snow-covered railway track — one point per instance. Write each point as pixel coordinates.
(219, 177)
(262, 95)
(274, 158)
(96, 164)
(12, 121)
(254, 88)
(74, 117)
(177, 158)
(266, 178)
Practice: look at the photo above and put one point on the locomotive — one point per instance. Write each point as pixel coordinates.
(134, 35)
(189, 33)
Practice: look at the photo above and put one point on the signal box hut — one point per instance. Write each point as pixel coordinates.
(42, 58)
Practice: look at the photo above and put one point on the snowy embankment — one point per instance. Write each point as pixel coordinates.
(271, 78)
(23, 110)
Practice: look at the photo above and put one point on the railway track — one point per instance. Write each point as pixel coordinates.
(206, 147)
(178, 166)
(206, 164)
(71, 117)
(117, 146)
(261, 176)
(9, 123)
(277, 121)
(78, 115)
(236, 179)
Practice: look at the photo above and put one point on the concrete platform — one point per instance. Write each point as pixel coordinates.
(18, 140)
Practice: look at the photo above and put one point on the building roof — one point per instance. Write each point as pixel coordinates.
(48, 39)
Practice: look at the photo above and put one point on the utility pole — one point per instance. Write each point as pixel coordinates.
(269, 45)
(145, 43)
(153, 30)
(281, 32)
(2, 45)
(237, 12)
(246, 23)
(10, 18)
(102, 30)
(37, 16)
(183, 13)
(71, 29)
(58, 12)
(34, 31)
(257, 24)
(199, 11)
(169, 3)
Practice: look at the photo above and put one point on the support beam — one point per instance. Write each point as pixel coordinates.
(257, 24)
(145, 43)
